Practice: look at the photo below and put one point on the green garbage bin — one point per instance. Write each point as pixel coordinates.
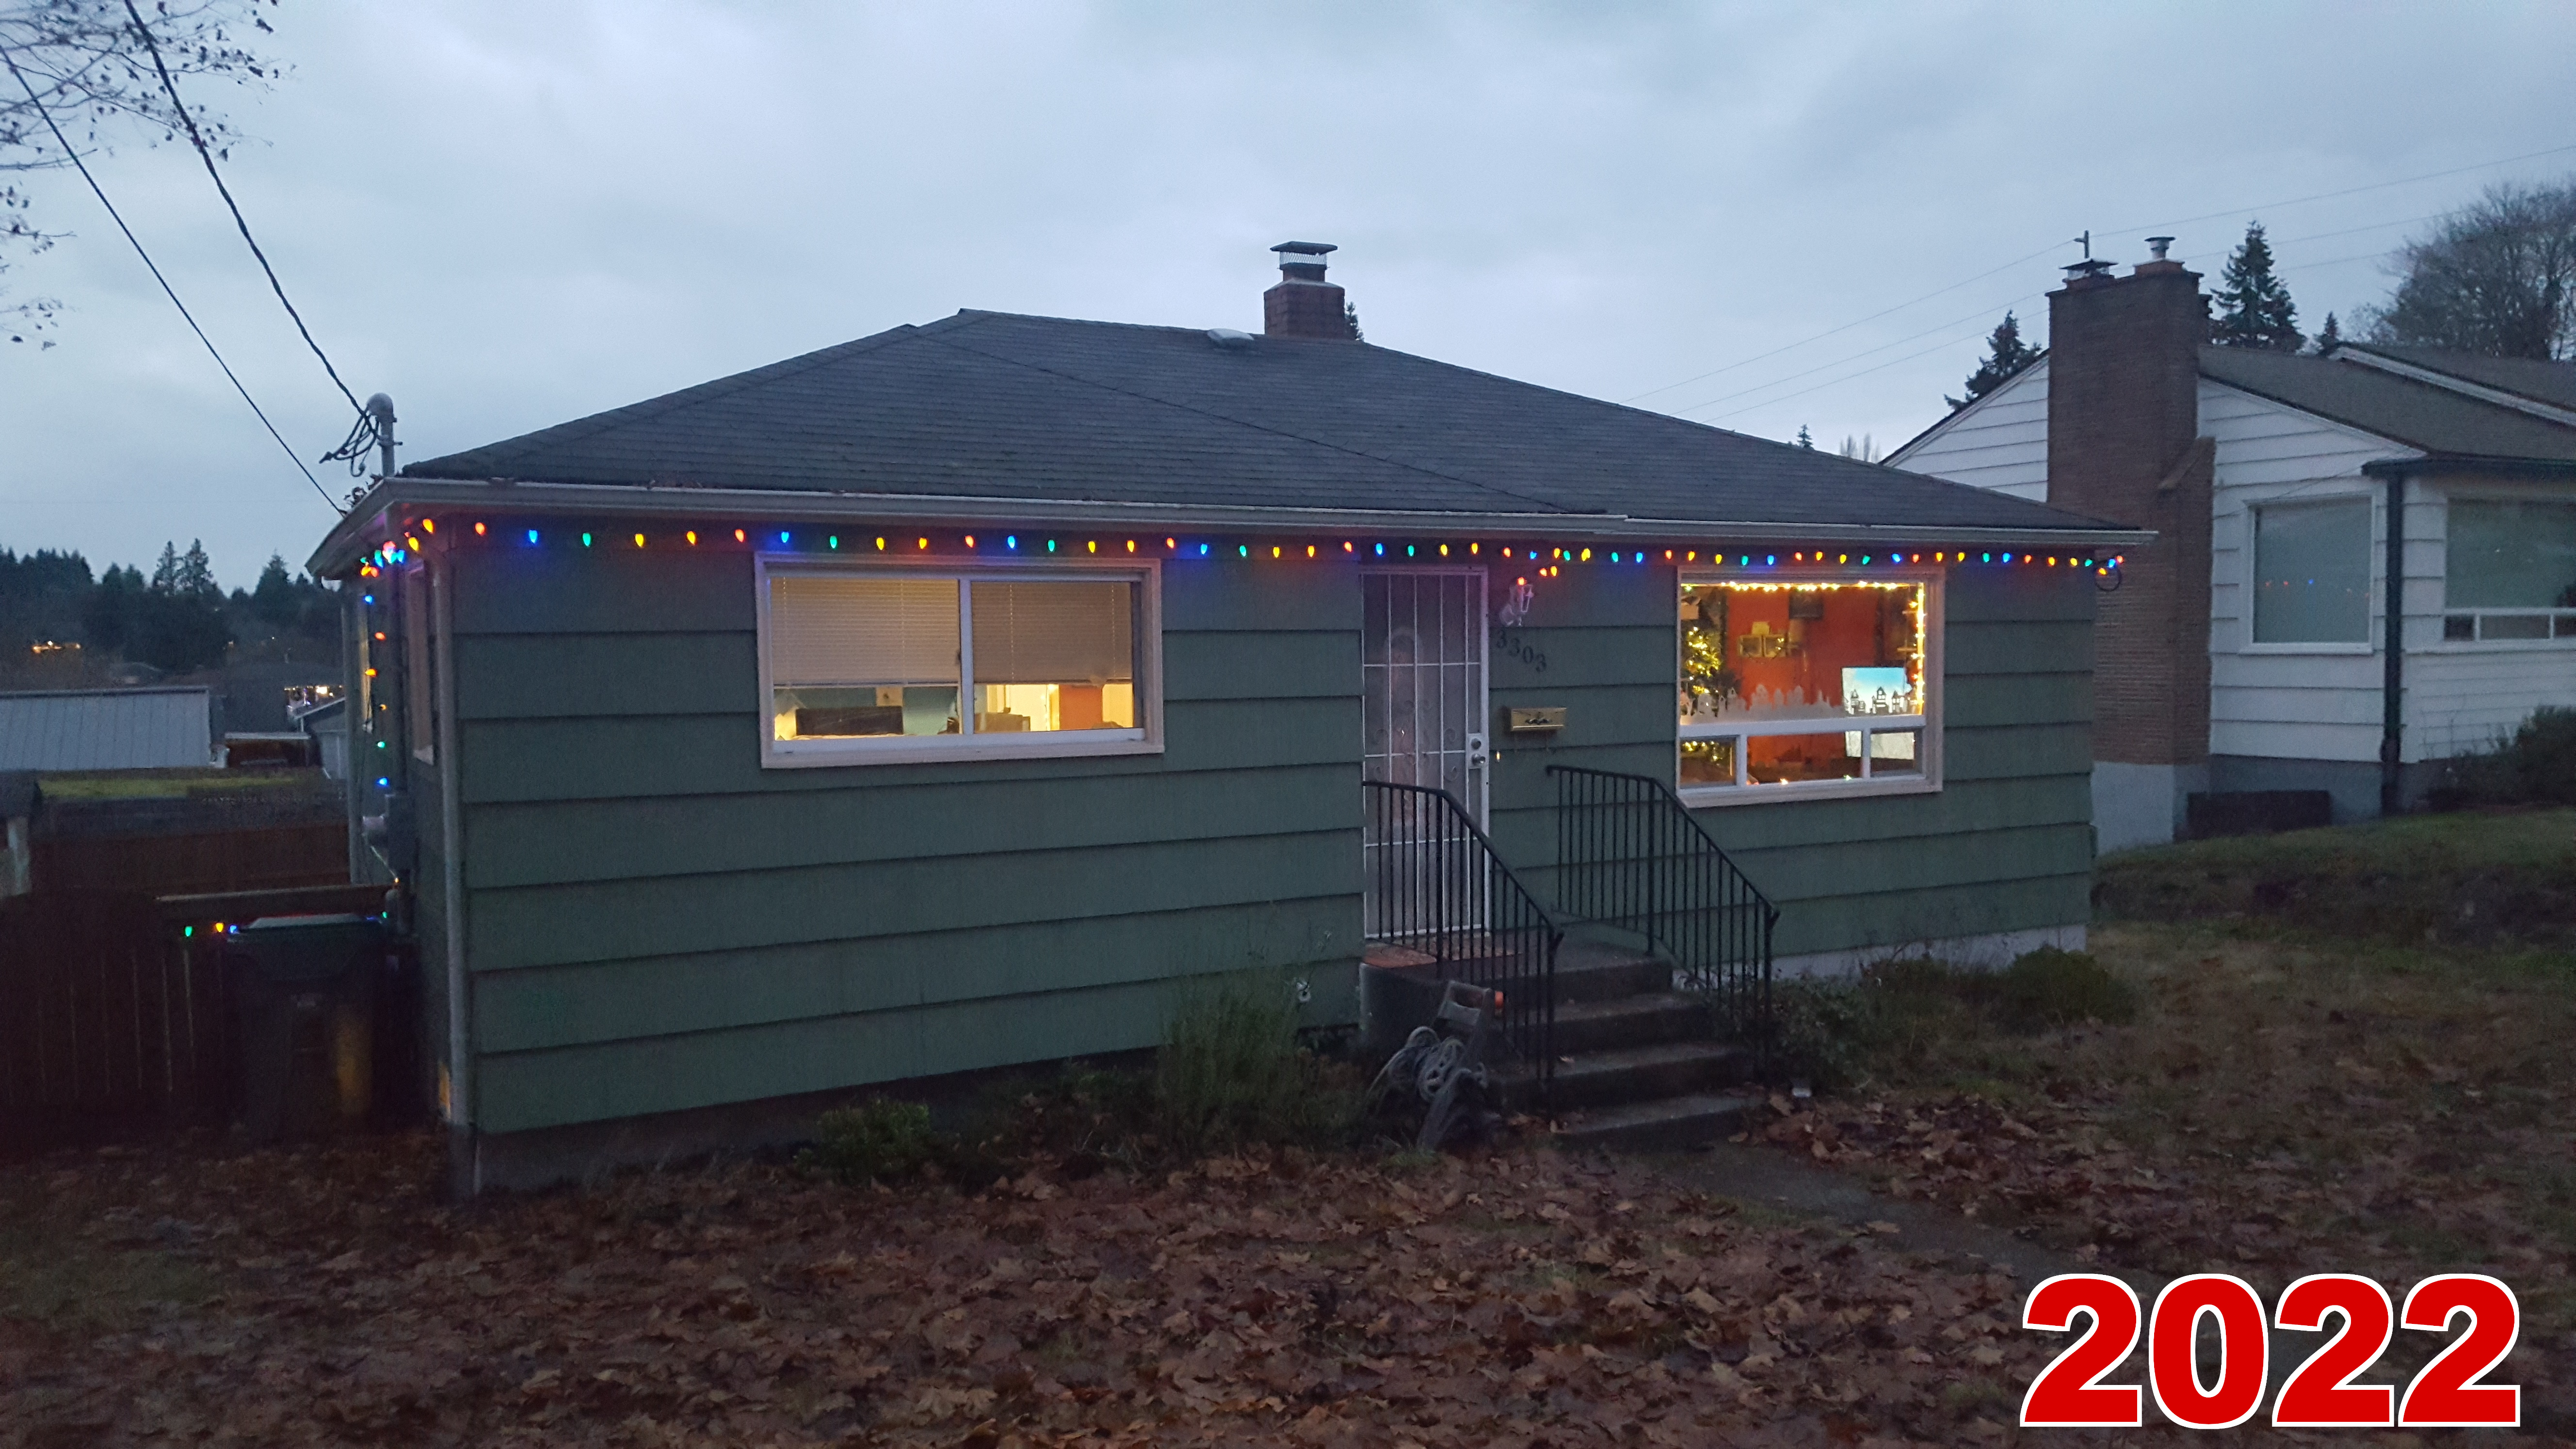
(304, 990)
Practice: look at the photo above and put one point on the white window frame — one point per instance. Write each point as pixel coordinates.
(2559, 625)
(1146, 738)
(2250, 572)
(1927, 781)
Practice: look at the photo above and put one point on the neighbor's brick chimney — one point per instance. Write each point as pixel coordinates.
(1303, 304)
(2124, 444)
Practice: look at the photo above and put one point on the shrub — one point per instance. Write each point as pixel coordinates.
(1820, 1032)
(2535, 766)
(1912, 1014)
(2053, 988)
(1232, 1074)
(878, 1140)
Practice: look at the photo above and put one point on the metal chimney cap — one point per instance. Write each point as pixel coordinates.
(2158, 244)
(2089, 267)
(1315, 250)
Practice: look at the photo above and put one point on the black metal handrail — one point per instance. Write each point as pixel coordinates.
(1436, 885)
(1631, 856)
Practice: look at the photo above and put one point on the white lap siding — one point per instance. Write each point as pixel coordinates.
(2284, 702)
(1999, 443)
(2296, 702)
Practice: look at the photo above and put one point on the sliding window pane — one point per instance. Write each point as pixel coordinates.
(855, 657)
(1054, 655)
(1708, 762)
(1783, 759)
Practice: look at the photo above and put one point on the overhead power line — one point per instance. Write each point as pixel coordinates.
(2331, 195)
(1846, 327)
(167, 290)
(2142, 227)
(197, 138)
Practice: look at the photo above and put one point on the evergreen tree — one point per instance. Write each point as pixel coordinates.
(107, 615)
(197, 575)
(165, 574)
(1351, 320)
(2254, 308)
(1805, 440)
(274, 599)
(2331, 338)
(2006, 356)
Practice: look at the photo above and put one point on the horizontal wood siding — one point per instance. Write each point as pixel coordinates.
(1999, 443)
(2005, 845)
(2270, 702)
(656, 923)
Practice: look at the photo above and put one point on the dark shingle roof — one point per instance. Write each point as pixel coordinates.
(2553, 383)
(994, 405)
(2419, 414)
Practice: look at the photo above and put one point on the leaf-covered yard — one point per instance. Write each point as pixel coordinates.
(2348, 1054)
(320, 1295)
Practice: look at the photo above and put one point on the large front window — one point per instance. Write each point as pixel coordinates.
(2312, 572)
(2509, 571)
(912, 663)
(1820, 684)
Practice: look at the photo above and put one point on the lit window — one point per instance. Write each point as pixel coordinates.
(2509, 571)
(1803, 684)
(2312, 573)
(908, 663)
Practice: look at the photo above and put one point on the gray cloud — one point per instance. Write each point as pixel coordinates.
(508, 215)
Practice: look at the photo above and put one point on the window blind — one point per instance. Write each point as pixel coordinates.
(859, 631)
(1054, 632)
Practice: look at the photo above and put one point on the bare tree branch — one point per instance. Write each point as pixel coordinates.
(92, 76)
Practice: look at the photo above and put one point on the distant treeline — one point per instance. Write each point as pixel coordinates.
(175, 619)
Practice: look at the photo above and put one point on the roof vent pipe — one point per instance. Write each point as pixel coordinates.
(2158, 244)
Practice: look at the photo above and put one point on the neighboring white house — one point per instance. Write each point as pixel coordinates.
(2306, 453)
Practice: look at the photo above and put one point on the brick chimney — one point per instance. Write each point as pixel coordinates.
(2124, 444)
(1303, 304)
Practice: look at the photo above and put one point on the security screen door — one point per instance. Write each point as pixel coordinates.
(1423, 712)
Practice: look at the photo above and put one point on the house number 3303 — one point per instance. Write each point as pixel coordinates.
(2198, 1393)
(1516, 647)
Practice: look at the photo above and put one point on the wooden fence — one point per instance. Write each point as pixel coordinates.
(196, 862)
(114, 1011)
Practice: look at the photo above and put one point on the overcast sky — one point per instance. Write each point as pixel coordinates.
(509, 215)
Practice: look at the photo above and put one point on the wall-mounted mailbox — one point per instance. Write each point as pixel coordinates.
(1533, 721)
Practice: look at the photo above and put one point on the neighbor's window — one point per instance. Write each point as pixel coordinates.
(1795, 683)
(2312, 573)
(2509, 571)
(906, 662)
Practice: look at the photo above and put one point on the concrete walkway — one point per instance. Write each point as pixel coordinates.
(1769, 1178)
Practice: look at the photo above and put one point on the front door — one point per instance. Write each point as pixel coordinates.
(1423, 719)
(1423, 714)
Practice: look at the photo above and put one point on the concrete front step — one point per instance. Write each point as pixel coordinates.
(1635, 1074)
(1588, 971)
(1609, 1022)
(1662, 1123)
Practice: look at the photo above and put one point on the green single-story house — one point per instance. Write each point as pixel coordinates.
(943, 700)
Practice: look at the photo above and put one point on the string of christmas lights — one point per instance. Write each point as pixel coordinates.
(1551, 558)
